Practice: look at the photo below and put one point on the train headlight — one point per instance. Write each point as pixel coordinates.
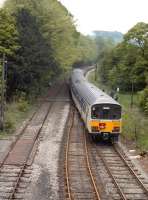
(94, 129)
(116, 129)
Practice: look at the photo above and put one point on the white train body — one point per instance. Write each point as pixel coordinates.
(100, 113)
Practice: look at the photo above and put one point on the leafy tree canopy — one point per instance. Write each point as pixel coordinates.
(8, 34)
(48, 43)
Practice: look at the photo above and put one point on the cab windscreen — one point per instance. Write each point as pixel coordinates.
(106, 111)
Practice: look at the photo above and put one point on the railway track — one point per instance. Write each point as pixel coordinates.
(99, 170)
(80, 182)
(119, 177)
(15, 170)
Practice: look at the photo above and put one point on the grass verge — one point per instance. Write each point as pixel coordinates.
(15, 114)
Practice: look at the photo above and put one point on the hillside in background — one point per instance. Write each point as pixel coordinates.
(114, 35)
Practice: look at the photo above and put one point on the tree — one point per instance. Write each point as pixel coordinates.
(47, 39)
(138, 36)
(8, 41)
(49, 44)
(8, 34)
(86, 51)
(32, 60)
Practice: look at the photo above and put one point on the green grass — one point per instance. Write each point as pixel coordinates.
(14, 116)
(134, 122)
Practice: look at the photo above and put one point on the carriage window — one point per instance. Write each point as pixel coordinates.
(95, 113)
(110, 111)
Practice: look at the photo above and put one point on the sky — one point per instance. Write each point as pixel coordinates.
(107, 15)
(1, 2)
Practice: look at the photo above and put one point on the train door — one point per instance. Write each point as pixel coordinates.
(87, 118)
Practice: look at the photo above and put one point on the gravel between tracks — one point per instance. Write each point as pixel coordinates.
(141, 163)
(45, 178)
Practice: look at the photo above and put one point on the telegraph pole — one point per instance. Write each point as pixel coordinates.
(95, 71)
(2, 94)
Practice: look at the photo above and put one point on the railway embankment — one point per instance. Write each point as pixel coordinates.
(30, 157)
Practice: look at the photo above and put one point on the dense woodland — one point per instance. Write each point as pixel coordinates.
(125, 65)
(40, 41)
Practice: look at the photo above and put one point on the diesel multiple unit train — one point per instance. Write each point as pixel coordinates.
(101, 113)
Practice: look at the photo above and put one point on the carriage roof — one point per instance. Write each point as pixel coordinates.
(89, 92)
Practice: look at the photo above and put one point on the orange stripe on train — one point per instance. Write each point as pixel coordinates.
(105, 126)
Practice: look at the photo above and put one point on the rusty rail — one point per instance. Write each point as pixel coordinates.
(67, 150)
(89, 168)
(131, 170)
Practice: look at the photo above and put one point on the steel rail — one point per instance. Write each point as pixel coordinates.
(110, 173)
(66, 159)
(89, 167)
(18, 137)
(21, 133)
(12, 195)
(131, 170)
(28, 155)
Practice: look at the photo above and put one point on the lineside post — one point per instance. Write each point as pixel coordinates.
(95, 71)
(2, 94)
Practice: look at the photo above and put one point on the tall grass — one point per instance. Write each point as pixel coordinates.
(15, 113)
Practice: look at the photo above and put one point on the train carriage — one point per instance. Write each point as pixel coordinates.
(100, 113)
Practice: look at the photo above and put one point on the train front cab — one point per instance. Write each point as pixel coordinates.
(105, 121)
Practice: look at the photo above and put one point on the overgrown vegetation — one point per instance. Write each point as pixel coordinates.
(144, 100)
(15, 113)
(40, 43)
(125, 65)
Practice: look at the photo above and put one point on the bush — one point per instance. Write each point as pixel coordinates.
(144, 100)
(9, 124)
(23, 103)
